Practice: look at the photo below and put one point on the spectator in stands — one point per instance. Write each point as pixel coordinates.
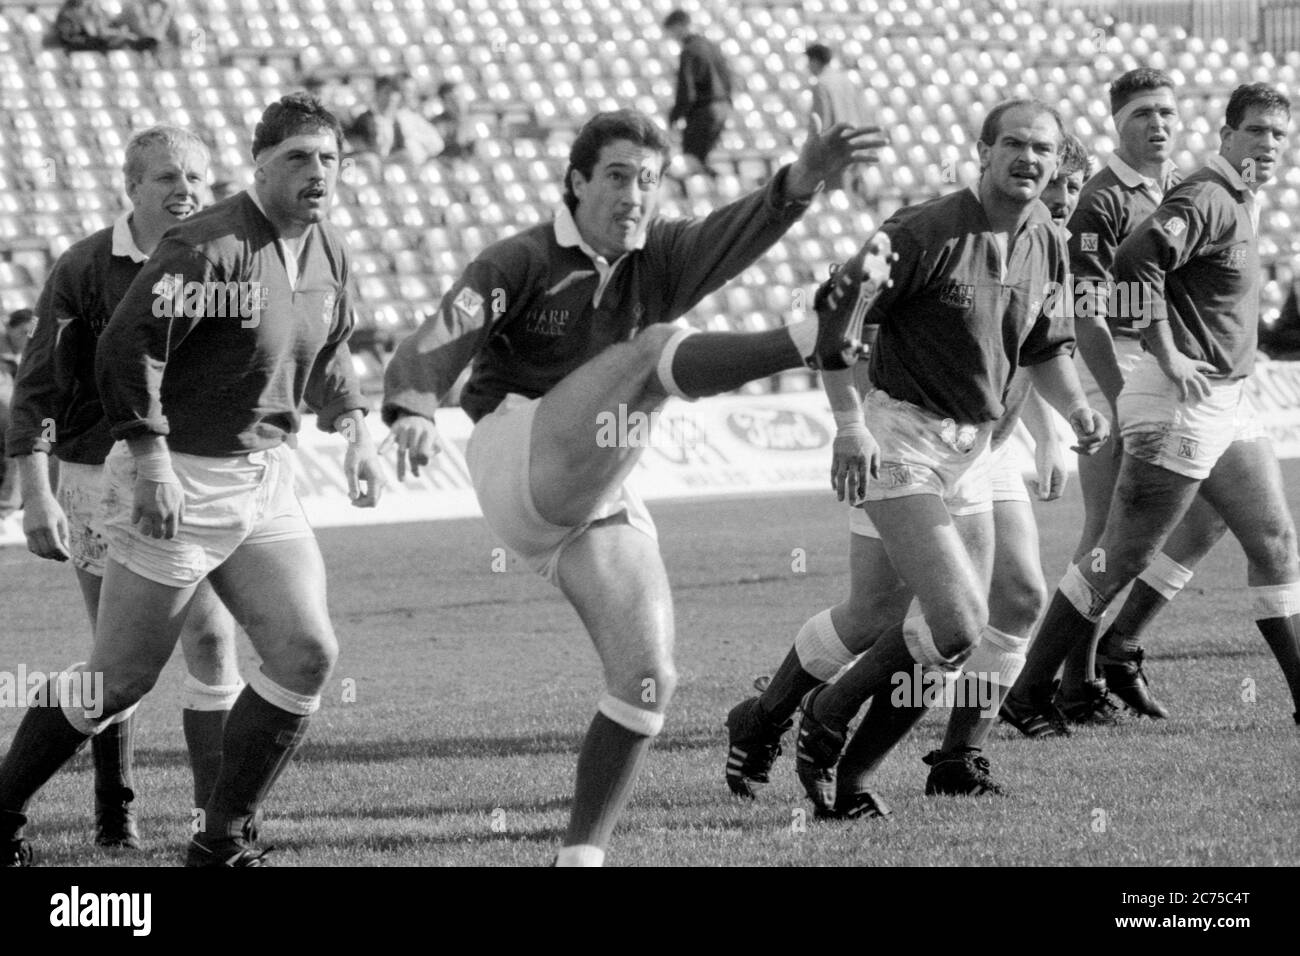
(86, 25)
(837, 99)
(15, 336)
(450, 123)
(151, 26)
(391, 132)
(703, 94)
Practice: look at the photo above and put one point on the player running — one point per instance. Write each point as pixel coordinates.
(240, 315)
(57, 411)
(1144, 110)
(565, 324)
(1187, 427)
(832, 640)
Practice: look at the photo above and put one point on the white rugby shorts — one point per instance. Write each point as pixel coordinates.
(1183, 437)
(229, 502)
(923, 454)
(81, 496)
(1128, 352)
(499, 456)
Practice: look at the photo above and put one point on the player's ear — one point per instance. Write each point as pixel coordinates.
(982, 149)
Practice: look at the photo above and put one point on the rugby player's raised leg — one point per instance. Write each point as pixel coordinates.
(572, 471)
(1246, 489)
(1149, 502)
(614, 576)
(276, 590)
(135, 634)
(212, 684)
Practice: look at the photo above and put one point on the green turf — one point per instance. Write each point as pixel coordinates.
(472, 690)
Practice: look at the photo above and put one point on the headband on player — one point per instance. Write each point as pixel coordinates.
(1140, 102)
(303, 140)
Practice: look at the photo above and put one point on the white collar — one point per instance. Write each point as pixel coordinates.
(1131, 178)
(568, 236)
(124, 242)
(1225, 169)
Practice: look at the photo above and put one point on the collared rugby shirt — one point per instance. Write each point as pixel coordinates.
(535, 306)
(1112, 204)
(56, 406)
(1200, 248)
(959, 319)
(214, 346)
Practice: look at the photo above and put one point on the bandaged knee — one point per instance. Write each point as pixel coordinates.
(196, 695)
(80, 695)
(1275, 600)
(999, 657)
(1082, 595)
(821, 651)
(302, 705)
(647, 723)
(1165, 576)
(665, 367)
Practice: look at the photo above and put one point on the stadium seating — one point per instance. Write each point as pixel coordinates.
(533, 71)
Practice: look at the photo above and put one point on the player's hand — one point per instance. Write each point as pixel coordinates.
(1090, 428)
(827, 152)
(1049, 463)
(361, 467)
(855, 457)
(416, 440)
(159, 508)
(46, 528)
(1189, 375)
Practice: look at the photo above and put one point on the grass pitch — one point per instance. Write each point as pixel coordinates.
(450, 728)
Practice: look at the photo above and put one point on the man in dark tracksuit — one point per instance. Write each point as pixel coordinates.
(703, 93)
(568, 328)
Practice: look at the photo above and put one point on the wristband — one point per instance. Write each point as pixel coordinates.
(156, 466)
(850, 423)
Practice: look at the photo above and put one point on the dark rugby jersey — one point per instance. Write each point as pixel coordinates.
(213, 348)
(1112, 204)
(55, 396)
(1200, 248)
(953, 328)
(526, 313)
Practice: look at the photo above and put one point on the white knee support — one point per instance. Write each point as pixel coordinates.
(80, 696)
(196, 695)
(999, 657)
(665, 367)
(304, 705)
(920, 644)
(1275, 600)
(647, 723)
(821, 651)
(1165, 576)
(1082, 595)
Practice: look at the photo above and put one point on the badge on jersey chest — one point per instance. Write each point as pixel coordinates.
(1235, 258)
(957, 295)
(1088, 241)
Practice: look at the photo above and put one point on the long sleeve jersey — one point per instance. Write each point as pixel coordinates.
(214, 347)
